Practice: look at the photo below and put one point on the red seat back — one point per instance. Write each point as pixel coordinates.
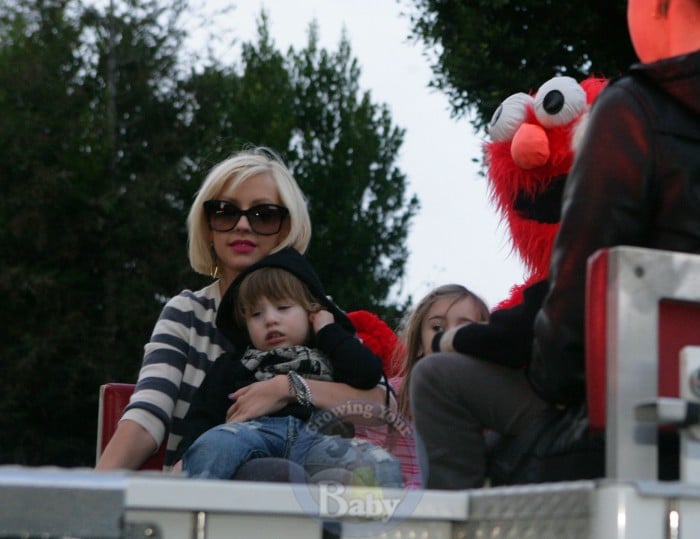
(113, 399)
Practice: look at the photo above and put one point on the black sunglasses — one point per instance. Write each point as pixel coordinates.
(264, 219)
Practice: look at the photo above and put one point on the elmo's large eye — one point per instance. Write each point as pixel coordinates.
(559, 101)
(508, 117)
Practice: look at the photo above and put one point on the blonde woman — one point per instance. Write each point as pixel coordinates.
(248, 206)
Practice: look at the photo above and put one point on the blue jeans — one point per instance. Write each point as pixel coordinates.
(219, 452)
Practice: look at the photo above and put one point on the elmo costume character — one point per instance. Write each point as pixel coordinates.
(528, 159)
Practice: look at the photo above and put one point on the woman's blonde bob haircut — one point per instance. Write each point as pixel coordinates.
(237, 169)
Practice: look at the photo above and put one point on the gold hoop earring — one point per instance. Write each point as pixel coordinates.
(214, 272)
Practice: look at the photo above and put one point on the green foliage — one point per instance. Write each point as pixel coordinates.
(92, 233)
(340, 146)
(238, 107)
(105, 137)
(343, 153)
(482, 51)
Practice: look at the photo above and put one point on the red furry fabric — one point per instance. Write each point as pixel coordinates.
(380, 338)
(532, 240)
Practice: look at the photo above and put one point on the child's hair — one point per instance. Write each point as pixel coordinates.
(410, 332)
(275, 284)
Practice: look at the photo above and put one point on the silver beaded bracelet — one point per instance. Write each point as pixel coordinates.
(300, 388)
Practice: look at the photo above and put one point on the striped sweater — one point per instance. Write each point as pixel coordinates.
(183, 346)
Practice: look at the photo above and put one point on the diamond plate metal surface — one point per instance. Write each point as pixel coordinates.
(553, 511)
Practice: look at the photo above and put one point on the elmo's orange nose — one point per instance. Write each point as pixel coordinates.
(530, 147)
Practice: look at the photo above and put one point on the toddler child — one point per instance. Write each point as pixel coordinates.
(283, 324)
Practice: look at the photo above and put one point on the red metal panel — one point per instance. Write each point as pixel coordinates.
(596, 336)
(679, 326)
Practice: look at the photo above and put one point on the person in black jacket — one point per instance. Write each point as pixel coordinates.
(281, 322)
(635, 181)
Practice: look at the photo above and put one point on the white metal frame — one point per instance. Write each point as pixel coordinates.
(638, 279)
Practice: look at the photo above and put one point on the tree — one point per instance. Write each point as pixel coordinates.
(482, 51)
(105, 136)
(39, 138)
(344, 153)
(341, 147)
(87, 152)
(236, 105)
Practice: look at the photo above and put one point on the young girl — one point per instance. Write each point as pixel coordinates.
(443, 308)
(224, 239)
(284, 325)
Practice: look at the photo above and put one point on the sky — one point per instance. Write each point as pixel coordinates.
(456, 236)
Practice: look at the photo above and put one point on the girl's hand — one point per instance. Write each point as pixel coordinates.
(259, 399)
(321, 319)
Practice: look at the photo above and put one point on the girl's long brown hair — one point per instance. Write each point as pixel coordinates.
(410, 333)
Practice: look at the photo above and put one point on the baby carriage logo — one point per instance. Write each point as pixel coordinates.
(362, 491)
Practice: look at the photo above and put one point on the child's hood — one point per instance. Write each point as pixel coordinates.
(290, 260)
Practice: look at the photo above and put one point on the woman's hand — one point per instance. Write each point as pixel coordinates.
(260, 399)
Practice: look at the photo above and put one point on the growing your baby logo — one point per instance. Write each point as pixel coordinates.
(353, 480)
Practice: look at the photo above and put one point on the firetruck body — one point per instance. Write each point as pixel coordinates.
(645, 306)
